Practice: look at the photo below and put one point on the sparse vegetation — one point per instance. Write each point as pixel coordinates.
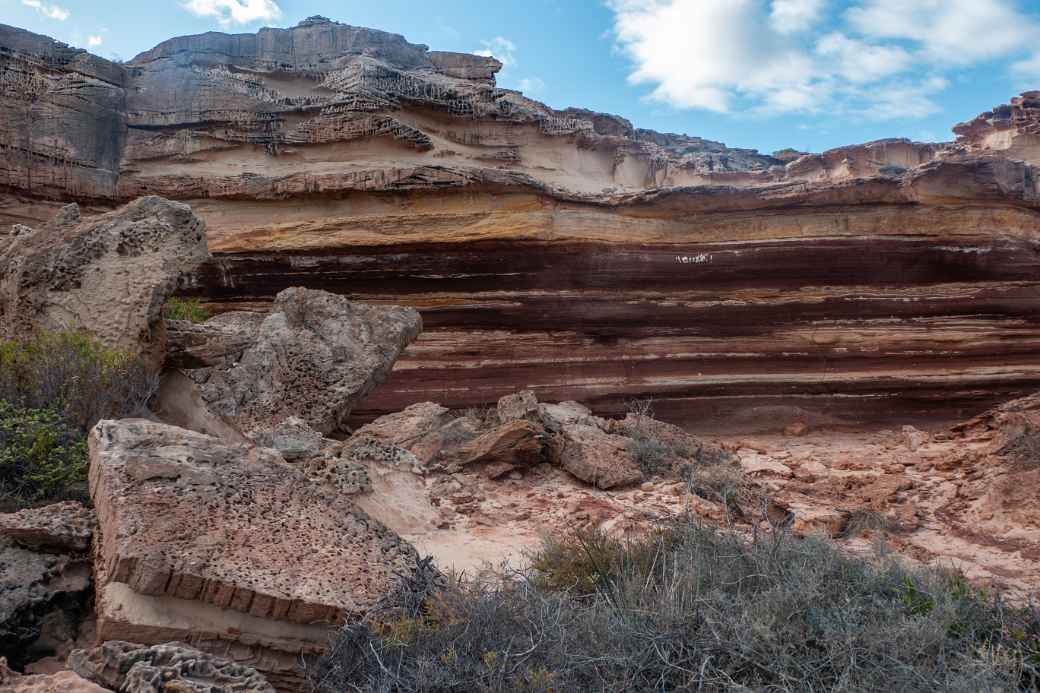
(190, 309)
(53, 388)
(863, 520)
(691, 608)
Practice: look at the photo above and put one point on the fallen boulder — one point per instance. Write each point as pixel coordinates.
(517, 443)
(596, 457)
(314, 356)
(228, 547)
(108, 276)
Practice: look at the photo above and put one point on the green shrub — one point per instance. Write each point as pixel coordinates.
(41, 456)
(186, 309)
(54, 386)
(693, 608)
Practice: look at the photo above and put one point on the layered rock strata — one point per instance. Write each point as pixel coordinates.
(567, 250)
(228, 548)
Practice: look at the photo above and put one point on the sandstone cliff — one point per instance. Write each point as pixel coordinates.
(565, 250)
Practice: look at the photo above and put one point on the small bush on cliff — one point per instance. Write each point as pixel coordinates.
(692, 608)
(41, 456)
(186, 309)
(54, 386)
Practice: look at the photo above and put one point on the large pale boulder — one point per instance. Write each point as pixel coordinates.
(174, 666)
(228, 547)
(108, 275)
(314, 356)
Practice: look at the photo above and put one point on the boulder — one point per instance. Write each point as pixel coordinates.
(414, 437)
(108, 275)
(314, 356)
(521, 405)
(171, 667)
(596, 457)
(516, 443)
(229, 547)
(66, 526)
(555, 416)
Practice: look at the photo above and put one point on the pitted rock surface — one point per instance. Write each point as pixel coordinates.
(314, 356)
(166, 668)
(108, 276)
(65, 526)
(186, 516)
(292, 438)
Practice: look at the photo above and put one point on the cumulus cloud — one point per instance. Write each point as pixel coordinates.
(94, 41)
(235, 11)
(875, 58)
(47, 10)
(500, 48)
(959, 32)
(788, 16)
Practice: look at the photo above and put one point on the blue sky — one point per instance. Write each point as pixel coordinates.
(765, 74)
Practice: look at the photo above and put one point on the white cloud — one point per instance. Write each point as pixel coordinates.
(701, 53)
(788, 16)
(877, 59)
(1028, 68)
(235, 11)
(861, 62)
(93, 41)
(959, 32)
(51, 11)
(531, 85)
(500, 48)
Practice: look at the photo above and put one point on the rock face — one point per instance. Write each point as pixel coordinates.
(172, 667)
(228, 548)
(45, 580)
(564, 251)
(108, 276)
(1012, 129)
(314, 357)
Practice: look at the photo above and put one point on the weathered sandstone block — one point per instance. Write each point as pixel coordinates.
(313, 356)
(183, 515)
(108, 276)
